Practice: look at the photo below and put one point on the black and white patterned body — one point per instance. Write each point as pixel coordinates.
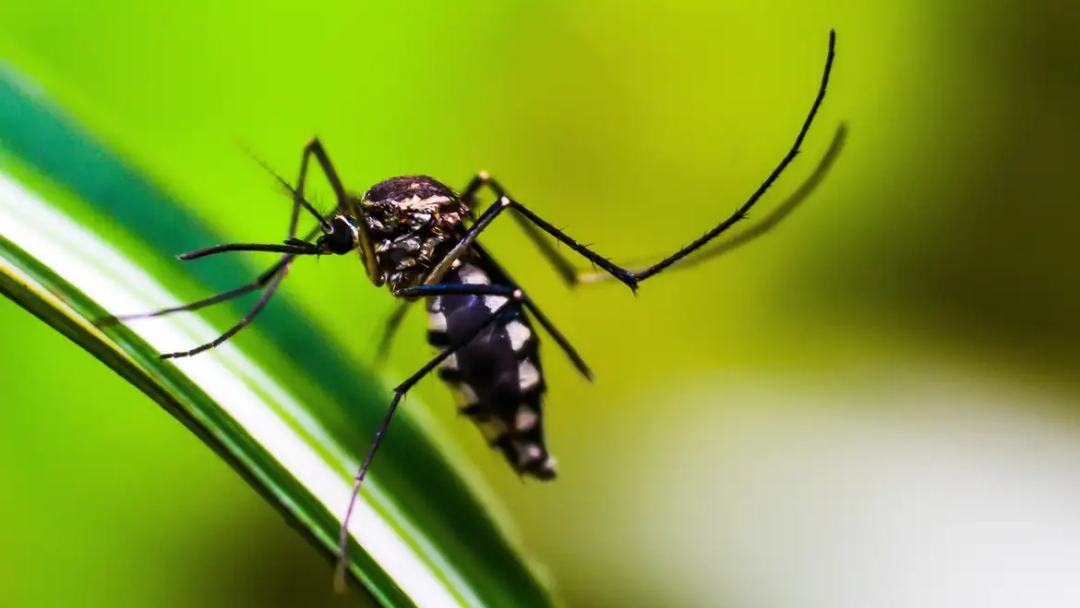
(412, 223)
(497, 376)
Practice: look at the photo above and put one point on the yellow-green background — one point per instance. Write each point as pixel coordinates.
(943, 245)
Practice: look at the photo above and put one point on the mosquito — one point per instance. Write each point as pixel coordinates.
(418, 237)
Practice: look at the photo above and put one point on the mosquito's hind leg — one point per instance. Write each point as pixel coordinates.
(534, 226)
(762, 227)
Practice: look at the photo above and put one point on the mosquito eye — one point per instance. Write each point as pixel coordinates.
(343, 237)
(342, 242)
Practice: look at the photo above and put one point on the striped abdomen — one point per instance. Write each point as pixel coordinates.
(497, 375)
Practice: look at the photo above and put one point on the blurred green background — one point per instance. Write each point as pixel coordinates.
(874, 405)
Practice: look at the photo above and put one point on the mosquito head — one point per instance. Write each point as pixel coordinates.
(342, 237)
(412, 222)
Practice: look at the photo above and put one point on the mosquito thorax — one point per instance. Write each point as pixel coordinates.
(412, 221)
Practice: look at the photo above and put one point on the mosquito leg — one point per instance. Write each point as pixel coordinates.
(560, 339)
(316, 149)
(248, 318)
(395, 319)
(255, 285)
(271, 279)
(469, 240)
(458, 289)
(623, 275)
(534, 224)
(489, 216)
(224, 296)
(505, 278)
(513, 301)
(763, 226)
(558, 261)
(510, 291)
(268, 280)
(292, 244)
(742, 211)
